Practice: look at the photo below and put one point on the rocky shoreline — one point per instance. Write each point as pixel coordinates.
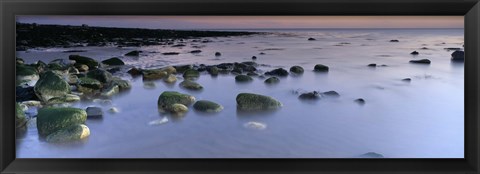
(35, 35)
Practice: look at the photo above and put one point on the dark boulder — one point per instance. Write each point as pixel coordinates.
(458, 56)
(420, 61)
(277, 72)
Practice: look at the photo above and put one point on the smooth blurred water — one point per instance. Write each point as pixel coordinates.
(421, 119)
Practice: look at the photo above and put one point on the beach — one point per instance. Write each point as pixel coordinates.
(422, 117)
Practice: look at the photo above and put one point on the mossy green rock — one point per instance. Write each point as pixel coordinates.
(243, 78)
(188, 84)
(113, 61)
(91, 63)
(122, 84)
(249, 101)
(320, 68)
(51, 85)
(101, 75)
(207, 106)
(154, 74)
(20, 118)
(26, 74)
(170, 79)
(191, 74)
(178, 109)
(64, 99)
(168, 98)
(213, 70)
(89, 83)
(25, 70)
(72, 133)
(53, 119)
(296, 69)
(272, 80)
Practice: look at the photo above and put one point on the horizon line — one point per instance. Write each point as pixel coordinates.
(280, 28)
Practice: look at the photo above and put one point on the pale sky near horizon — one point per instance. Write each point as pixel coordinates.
(251, 22)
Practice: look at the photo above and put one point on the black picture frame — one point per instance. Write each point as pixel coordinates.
(470, 9)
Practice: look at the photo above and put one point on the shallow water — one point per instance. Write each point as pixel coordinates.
(421, 119)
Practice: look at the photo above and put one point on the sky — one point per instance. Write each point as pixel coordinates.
(251, 22)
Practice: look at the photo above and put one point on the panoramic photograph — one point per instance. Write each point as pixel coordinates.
(239, 87)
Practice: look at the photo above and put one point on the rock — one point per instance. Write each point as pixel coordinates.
(169, 69)
(113, 61)
(154, 74)
(133, 53)
(255, 125)
(218, 54)
(296, 69)
(72, 133)
(272, 80)
(420, 61)
(424, 48)
(311, 39)
(277, 72)
(51, 85)
(94, 112)
(394, 40)
(237, 70)
(122, 84)
(20, 61)
(113, 110)
(453, 49)
(310, 96)
(250, 101)
(212, 70)
(196, 51)
(243, 78)
(207, 106)
(261, 53)
(39, 66)
(254, 57)
(360, 101)
(134, 72)
(56, 66)
(191, 74)
(110, 91)
(66, 98)
(91, 63)
(20, 119)
(170, 53)
(178, 109)
(26, 75)
(168, 98)
(88, 85)
(24, 93)
(170, 79)
(52, 119)
(71, 79)
(371, 155)
(373, 65)
(100, 75)
(183, 68)
(458, 56)
(320, 68)
(331, 94)
(406, 79)
(32, 103)
(414, 53)
(81, 67)
(72, 70)
(188, 84)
